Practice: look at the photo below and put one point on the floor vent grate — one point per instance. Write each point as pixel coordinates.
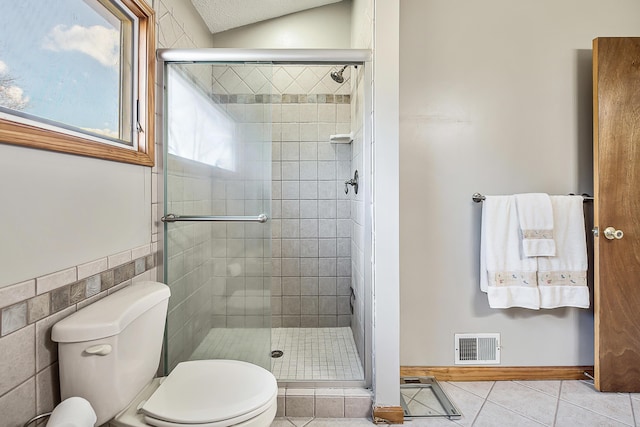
(477, 349)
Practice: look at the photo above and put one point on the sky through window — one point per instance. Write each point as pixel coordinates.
(60, 60)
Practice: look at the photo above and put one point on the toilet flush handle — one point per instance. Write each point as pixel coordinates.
(99, 350)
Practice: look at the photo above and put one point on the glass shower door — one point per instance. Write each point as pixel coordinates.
(217, 200)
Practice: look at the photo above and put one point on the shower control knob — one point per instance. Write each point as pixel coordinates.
(611, 233)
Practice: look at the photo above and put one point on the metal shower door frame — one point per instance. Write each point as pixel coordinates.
(275, 56)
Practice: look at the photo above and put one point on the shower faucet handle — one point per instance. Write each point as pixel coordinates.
(347, 183)
(353, 182)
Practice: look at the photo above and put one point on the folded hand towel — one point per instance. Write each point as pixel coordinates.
(508, 278)
(562, 279)
(536, 223)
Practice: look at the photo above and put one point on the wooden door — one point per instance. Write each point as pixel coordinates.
(616, 100)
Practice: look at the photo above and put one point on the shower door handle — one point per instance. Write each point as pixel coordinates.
(214, 218)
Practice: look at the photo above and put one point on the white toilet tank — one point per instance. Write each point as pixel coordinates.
(110, 350)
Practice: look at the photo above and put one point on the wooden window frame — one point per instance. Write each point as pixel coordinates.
(12, 132)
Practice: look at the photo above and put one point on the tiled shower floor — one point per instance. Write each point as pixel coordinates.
(247, 344)
(316, 354)
(310, 354)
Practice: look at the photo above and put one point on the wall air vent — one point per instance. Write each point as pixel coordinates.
(477, 349)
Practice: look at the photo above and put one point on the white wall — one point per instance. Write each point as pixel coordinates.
(386, 203)
(326, 27)
(60, 210)
(495, 97)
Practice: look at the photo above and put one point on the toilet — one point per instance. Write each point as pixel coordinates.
(109, 353)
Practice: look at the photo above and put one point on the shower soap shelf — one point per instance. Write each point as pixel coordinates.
(341, 138)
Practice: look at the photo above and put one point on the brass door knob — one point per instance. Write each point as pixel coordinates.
(611, 233)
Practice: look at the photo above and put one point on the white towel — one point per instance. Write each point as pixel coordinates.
(508, 278)
(562, 279)
(536, 224)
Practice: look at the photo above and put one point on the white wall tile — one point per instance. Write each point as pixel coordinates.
(308, 171)
(309, 113)
(327, 113)
(290, 170)
(119, 259)
(18, 406)
(139, 252)
(17, 363)
(92, 268)
(19, 292)
(55, 280)
(326, 150)
(309, 190)
(309, 150)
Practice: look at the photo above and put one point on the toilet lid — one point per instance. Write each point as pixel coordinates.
(207, 391)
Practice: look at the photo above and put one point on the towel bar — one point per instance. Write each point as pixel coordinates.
(478, 198)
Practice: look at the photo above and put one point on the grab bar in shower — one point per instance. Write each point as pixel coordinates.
(209, 218)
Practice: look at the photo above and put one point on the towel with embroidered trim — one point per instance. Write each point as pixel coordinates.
(508, 277)
(562, 279)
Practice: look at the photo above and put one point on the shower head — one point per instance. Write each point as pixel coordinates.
(337, 75)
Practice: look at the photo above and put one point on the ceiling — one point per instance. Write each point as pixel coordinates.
(222, 15)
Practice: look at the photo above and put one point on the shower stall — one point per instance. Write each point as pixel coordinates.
(267, 224)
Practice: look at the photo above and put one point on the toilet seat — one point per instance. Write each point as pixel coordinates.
(211, 393)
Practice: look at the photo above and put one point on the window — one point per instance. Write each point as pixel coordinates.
(76, 76)
(198, 129)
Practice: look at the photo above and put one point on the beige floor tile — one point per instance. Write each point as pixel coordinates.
(282, 422)
(300, 421)
(467, 403)
(344, 422)
(573, 416)
(526, 401)
(493, 415)
(635, 403)
(611, 405)
(551, 388)
(479, 388)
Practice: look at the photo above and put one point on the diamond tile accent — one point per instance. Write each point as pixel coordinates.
(229, 80)
(256, 80)
(307, 80)
(281, 80)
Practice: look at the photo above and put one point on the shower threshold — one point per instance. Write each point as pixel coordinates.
(422, 397)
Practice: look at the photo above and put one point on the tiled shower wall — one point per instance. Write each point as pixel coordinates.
(217, 270)
(358, 240)
(311, 214)
(312, 248)
(188, 258)
(362, 14)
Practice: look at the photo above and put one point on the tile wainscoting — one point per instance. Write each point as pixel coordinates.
(28, 368)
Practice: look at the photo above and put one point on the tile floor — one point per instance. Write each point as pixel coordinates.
(517, 403)
(310, 354)
(315, 354)
(247, 344)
